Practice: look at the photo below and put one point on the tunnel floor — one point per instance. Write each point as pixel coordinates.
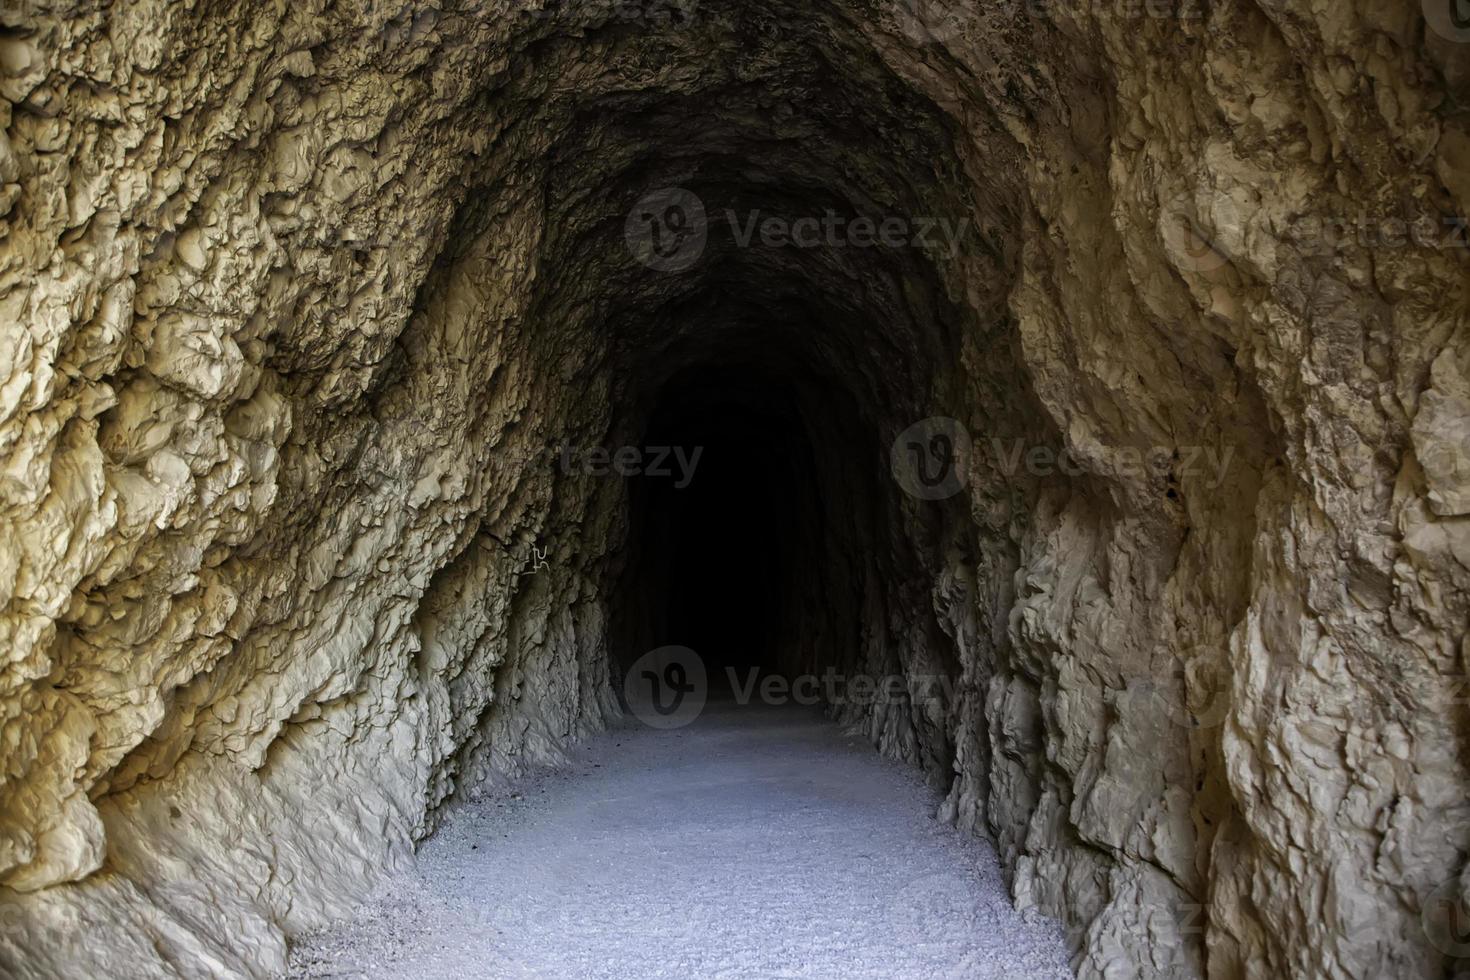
(758, 841)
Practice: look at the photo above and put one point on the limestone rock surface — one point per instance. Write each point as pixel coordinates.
(294, 297)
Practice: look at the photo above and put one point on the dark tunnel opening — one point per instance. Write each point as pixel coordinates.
(721, 530)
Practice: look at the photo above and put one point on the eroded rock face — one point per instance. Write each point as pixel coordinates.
(294, 300)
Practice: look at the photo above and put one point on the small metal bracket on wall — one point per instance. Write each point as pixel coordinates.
(538, 559)
(538, 555)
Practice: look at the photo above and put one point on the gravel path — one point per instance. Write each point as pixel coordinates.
(757, 842)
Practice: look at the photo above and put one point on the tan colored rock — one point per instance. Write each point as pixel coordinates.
(1442, 435)
(292, 301)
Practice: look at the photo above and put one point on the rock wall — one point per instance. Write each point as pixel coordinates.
(1271, 634)
(295, 297)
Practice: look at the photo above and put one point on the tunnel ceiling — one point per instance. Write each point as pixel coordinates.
(298, 303)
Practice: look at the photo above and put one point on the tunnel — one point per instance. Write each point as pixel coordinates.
(1035, 436)
(717, 566)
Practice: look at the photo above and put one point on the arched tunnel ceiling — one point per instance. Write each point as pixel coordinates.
(772, 125)
(295, 299)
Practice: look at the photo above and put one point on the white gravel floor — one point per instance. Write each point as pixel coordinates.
(757, 842)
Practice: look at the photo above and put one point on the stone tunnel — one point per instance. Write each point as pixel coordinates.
(382, 382)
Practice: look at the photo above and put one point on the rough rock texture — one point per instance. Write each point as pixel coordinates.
(294, 296)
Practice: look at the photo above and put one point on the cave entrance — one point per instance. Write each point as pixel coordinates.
(720, 536)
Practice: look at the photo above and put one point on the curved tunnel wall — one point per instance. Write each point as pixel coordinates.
(296, 300)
